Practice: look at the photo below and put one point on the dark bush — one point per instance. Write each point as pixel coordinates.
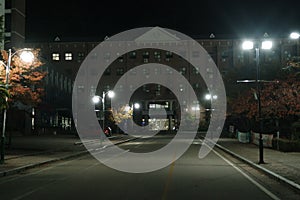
(286, 145)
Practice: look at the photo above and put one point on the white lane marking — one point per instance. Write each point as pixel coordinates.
(262, 188)
(33, 191)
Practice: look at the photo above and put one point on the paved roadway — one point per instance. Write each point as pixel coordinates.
(214, 177)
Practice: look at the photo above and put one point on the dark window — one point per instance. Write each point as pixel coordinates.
(146, 54)
(121, 59)
(120, 71)
(8, 23)
(182, 70)
(169, 54)
(132, 54)
(107, 72)
(80, 57)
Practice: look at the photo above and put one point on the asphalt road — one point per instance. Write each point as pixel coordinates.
(213, 177)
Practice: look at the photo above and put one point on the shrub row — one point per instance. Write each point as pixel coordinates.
(286, 145)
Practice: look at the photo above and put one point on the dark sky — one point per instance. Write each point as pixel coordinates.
(94, 19)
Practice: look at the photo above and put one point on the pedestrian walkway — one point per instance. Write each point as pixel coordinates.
(32, 151)
(282, 164)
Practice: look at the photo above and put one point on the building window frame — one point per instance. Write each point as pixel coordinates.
(55, 56)
(120, 71)
(68, 56)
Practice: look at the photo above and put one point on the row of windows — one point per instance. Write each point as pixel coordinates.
(157, 89)
(68, 56)
(121, 70)
(271, 57)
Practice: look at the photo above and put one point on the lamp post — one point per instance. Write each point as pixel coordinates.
(209, 98)
(96, 100)
(265, 45)
(27, 57)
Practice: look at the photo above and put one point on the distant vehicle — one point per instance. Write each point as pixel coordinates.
(108, 131)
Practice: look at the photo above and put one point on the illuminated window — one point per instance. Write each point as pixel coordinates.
(68, 56)
(55, 56)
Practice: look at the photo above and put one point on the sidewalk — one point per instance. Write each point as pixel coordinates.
(31, 151)
(282, 166)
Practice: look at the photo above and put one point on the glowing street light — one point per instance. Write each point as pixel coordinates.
(137, 106)
(295, 35)
(96, 99)
(247, 45)
(265, 45)
(211, 97)
(208, 97)
(27, 57)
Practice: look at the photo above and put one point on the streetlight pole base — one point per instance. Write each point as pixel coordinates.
(2, 149)
(261, 150)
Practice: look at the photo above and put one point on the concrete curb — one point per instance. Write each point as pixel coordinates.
(262, 169)
(30, 166)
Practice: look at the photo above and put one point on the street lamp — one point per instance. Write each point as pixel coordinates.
(295, 35)
(137, 106)
(209, 98)
(265, 45)
(27, 57)
(96, 99)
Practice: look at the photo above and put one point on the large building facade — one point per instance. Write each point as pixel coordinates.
(62, 61)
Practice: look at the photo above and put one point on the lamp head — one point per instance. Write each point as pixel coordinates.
(27, 56)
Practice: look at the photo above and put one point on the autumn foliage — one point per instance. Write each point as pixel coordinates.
(24, 80)
(279, 99)
(121, 114)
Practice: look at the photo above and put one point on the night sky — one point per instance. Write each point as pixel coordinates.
(93, 20)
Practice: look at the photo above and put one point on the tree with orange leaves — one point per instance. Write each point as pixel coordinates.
(121, 114)
(25, 80)
(279, 98)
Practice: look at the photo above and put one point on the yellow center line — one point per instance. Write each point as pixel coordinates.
(169, 178)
